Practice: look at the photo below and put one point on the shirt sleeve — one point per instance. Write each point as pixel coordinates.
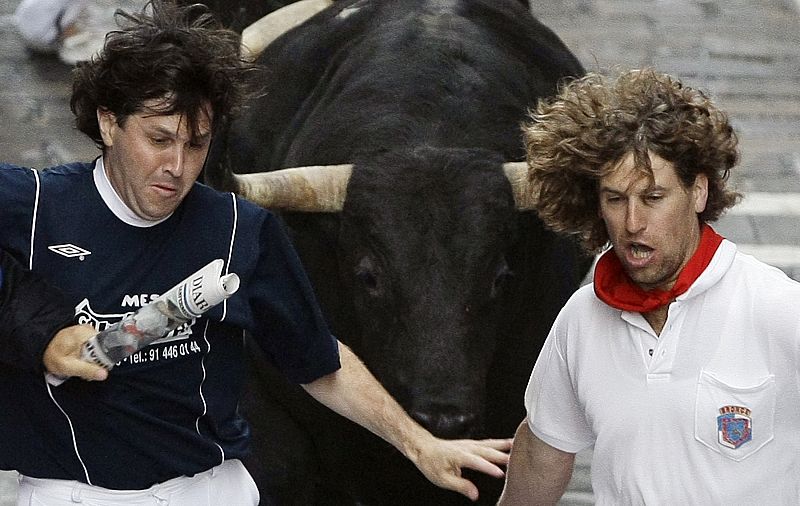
(19, 187)
(31, 312)
(555, 414)
(289, 325)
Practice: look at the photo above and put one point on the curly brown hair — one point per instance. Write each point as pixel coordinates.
(178, 55)
(577, 136)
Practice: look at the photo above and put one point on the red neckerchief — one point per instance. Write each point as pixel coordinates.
(613, 286)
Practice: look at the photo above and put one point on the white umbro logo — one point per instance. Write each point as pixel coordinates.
(69, 250)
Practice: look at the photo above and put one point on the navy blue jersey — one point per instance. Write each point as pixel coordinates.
(171, 408)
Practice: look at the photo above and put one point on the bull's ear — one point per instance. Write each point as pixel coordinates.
(523, 189)
(314, 189)
(260, 34)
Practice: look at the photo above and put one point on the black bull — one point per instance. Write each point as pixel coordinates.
(428, 271)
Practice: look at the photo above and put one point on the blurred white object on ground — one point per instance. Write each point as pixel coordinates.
(41, 23)
(75, 30)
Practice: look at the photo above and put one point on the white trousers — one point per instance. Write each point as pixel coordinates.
(227, 483)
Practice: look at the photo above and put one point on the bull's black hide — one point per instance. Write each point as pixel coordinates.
(429, 273)
(238, 14)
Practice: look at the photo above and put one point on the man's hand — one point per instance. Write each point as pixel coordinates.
(441, 461)
(62, 357)
(353, 392)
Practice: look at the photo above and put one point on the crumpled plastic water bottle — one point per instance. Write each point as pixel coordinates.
(185, 301)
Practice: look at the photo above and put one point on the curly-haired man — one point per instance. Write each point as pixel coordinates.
(679, 364)
(164, 426)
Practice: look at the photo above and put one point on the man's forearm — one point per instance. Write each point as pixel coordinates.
(354, 392)
(537, 474)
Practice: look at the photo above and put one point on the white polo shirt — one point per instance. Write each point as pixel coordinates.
(712, 417)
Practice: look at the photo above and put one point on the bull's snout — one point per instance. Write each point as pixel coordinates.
(447, 425)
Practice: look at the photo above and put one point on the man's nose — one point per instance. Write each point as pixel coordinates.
(635, 217)
(177, 159)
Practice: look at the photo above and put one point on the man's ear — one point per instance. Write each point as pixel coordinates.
(107, 121)
(700, 187)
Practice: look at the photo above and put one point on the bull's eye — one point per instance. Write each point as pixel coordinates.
(367, 275)
(502, 275)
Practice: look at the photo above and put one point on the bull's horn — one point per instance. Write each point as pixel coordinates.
(260, 34)
(517, 174)
(314, 189)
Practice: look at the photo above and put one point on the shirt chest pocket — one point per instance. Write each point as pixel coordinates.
(735, 421)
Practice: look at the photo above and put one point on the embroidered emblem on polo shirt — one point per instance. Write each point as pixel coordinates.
(734, 426)
(69, 250)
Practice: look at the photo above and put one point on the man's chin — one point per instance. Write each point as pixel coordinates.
(157, 215)
(645, 280)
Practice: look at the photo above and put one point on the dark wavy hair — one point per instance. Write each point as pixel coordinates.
(576, 137)
(177, 54)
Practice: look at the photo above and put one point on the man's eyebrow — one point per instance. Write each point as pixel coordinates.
(619, 191)
(162, 129)
(169, 132)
